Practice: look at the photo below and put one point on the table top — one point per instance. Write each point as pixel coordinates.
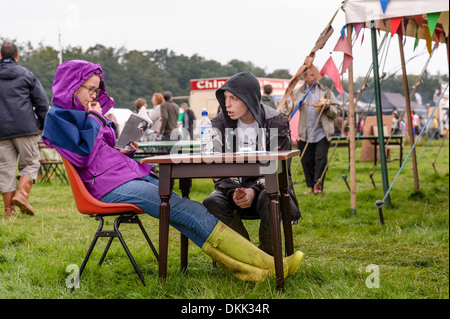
(240, 157)
(366, 137)
(183, 143)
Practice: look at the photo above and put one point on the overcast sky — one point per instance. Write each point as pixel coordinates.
(273, 34)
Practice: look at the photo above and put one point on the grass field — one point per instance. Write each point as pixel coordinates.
(348, 256)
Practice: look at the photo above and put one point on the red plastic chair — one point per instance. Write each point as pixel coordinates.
(87, 204)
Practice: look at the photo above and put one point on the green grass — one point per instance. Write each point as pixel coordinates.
(411, 250)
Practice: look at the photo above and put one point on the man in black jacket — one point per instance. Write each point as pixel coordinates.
(23, 106)
(246, 124)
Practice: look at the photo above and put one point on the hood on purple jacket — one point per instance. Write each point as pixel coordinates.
(69, 77)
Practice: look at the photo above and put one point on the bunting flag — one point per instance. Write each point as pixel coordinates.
(358, 27)
(444, 21)
(331, 70)
(427, 38)
(395, 23)
(432, 21)
(343, 31)
(416, 42)
(384, 4)
(293, 125)
(343, 46)
(418, 19)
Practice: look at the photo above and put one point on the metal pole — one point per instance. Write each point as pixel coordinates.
(351, 116)
(376, 80)
(408, 113)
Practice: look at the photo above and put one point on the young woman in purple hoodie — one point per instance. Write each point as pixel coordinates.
(77, 128)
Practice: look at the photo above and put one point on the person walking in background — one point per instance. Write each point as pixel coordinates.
(314, 160)
(23, 107)
(155, 114)
(267, 98)
(188, 120)
(169, 116)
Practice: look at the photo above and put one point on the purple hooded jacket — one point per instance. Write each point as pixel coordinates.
(87, 140)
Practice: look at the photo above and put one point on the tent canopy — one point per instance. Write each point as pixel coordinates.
(418, 16)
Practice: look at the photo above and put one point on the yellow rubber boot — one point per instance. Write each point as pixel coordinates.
(294, 262)
(238, 248)
(238, 269)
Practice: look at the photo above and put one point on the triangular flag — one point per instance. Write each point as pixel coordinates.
(330, 69)
(405, 22)
(343, 46)
(418, 18)
(395, 22)
(384, 4)
(416, 42)
(293, 125)
(426, 32)
(444, 21)
(343, 31)
(358, 27)
(432, 21)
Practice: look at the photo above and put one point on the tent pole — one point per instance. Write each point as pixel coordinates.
(351, 116)
(376, 80)
(408, 113)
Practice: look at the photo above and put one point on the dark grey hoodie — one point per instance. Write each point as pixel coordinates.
(246, 87)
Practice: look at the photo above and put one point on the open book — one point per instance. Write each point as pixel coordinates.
(134, 128)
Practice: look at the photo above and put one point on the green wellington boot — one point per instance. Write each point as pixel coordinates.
(240, 251)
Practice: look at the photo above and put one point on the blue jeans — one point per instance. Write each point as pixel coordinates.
(189, 217)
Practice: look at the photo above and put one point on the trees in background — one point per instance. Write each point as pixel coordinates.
(133, 74)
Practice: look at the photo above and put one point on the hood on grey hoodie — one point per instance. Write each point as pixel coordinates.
(245, 87)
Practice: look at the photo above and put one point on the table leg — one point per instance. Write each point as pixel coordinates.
(185, 188)
(283, 181)
(274, 209)
(165, 190)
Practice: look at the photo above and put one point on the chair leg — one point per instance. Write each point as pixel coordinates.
(138, 221)
(86, 258)
(125, 247)
(128, 219)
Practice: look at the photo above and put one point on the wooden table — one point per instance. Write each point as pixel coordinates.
(272, 165)
(394, 140)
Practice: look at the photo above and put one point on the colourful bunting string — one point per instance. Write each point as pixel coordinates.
(330, 69)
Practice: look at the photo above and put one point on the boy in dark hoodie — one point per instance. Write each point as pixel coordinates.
(246, 124)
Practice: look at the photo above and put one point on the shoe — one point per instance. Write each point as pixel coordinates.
(9, 207)
(20, 199)
(318, 189)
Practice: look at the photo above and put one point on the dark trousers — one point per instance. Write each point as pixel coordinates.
(223, 208)
(314, 160)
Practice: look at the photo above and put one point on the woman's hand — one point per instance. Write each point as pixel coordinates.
(94, 106)
(133, 144)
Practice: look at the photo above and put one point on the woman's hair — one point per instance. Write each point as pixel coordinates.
(159, 98)
(139, 103)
